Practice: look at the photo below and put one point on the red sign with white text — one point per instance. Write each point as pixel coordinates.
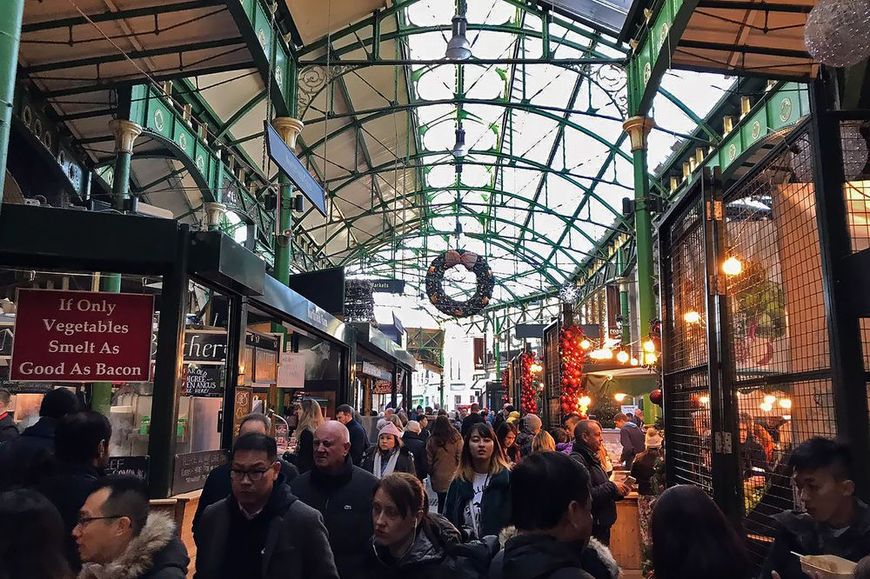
(69, 336)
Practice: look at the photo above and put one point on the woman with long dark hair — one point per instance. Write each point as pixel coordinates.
(32, 541)
(443, 449)
(409, 541)
(478, 500)
(507, 437)
(691, 538)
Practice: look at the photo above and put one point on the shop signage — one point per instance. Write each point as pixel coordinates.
(68, 336)
(388, 286)
(204, 381)
(205, 346)
(192, 469)
(383, 387)
(375, 371)
(318, 317)
(128, 466)
(291, 370)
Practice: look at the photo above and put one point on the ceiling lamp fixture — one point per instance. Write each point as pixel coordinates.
(458, 47)
(459, 150)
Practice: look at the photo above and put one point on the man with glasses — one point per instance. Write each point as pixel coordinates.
(261, 530)
(117, 536)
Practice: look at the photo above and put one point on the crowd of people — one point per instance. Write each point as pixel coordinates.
(494, 496)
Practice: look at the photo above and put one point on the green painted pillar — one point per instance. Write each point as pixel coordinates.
(638, 129)
(101, 392)
(125, 135)
(289, 129)
(11, 15)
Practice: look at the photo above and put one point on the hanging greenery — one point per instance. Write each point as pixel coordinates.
(435, 283)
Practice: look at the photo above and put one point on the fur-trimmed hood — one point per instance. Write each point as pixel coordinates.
(155, 552)
(597, 559)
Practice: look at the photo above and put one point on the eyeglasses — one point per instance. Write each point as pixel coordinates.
(83, 521)
(253, 475)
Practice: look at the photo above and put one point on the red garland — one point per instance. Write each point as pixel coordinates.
(528, 399)
(572, 357)
(506, 386)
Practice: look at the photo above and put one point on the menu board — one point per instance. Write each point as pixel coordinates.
(203, 381)
(128, 466)
(193, 468)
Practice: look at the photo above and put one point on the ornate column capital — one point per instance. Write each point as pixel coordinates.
(289, 129)
(213, 213)
(638, 129)
(125, 134)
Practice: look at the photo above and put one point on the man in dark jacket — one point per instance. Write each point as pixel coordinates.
(218, 486)
(262, 530)
(359, 440)
(343, 494)
(835, 521)
(8, 430)
(587, 443)
(473, 418)
(26, 459)
(82, 452)
(631, 437)
(553, 530)
(118, 537)
(416, 443)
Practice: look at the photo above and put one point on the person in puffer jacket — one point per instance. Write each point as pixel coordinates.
(550, 538)
(409, 541)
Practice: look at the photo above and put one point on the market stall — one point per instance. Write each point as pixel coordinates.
(383, 372)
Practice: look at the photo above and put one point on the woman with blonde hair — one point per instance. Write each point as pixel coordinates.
(310, 418)
(478, 500)
(543, 442)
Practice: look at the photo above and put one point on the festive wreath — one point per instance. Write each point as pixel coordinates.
(435, 283)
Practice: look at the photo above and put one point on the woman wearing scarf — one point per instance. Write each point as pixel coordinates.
(389, 455)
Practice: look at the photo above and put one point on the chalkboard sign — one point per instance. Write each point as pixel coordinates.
(128, 466)
(204, 381)
(192, 469)
(205, 346)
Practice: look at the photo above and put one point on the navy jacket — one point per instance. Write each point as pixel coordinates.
(359, 441)
(632, 438)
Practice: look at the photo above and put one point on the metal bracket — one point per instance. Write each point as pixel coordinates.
(715, 210)
(722, 442)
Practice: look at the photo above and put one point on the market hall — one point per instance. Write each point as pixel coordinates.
(355, 279)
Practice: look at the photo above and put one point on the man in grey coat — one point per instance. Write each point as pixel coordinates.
(262, 530)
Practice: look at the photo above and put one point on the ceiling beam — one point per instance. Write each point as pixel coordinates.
(109, 16)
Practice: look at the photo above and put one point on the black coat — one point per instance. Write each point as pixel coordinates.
(632, 439)
(345, 501)
(359, 441)
(218, 487)
(416, 443)
(405, 462)
(437, 553)
(469, 421)
(799, 533)
(29, 458)
(8, 430)
(604, 493)
(68, 489)
(305, 451)
(538, 556)
(495, 506)
(296, 542)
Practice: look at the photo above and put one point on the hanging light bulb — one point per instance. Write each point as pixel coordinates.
(458, 47)
(705, 400)
(619, 396)
(650, 359)
(585, 344)
(634, 362)
(622, 356)
(732, 266)
(459, 149)
(769, 399)
(649, 346)
(785, 403)
(585, 401)
(692, 317)
(765, 406)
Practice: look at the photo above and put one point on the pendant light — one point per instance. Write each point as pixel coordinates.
(458, 48)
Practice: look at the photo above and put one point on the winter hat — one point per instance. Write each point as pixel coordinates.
(513, 417)
(390, 428)
(653, 438)
(532, 422)
(413, 426)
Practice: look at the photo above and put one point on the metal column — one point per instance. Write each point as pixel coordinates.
(238, 323)
(11, 16)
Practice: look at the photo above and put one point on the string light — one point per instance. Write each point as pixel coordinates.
(769, 399)
(619, 396)
(585, 401)
(692, 317)
(766, 407)
(602, 354)
(622, 357)
(634, 362)
(585, 344)
(535, 368)
(650, 359)
(732, 266)
(705, 400)
(785, 403)
(649, 346)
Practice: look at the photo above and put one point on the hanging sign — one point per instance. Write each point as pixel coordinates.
(203, 381)
(291, 370)
(388, 286)
(205, 346)
(383, 387)
(375, 371)
(69, 336)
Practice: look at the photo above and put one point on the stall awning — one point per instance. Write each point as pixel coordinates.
(371, 338)
(631, 381)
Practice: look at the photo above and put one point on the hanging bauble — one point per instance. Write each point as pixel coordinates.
(435, 283)
(837, 32)
(656, 396)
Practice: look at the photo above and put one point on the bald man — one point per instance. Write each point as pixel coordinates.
(342, 493)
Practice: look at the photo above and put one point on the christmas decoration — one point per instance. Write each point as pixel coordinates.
(359, 304)
(435, 283)
(656, 396)
(836, 32)
(572, 355)
(528, 394)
